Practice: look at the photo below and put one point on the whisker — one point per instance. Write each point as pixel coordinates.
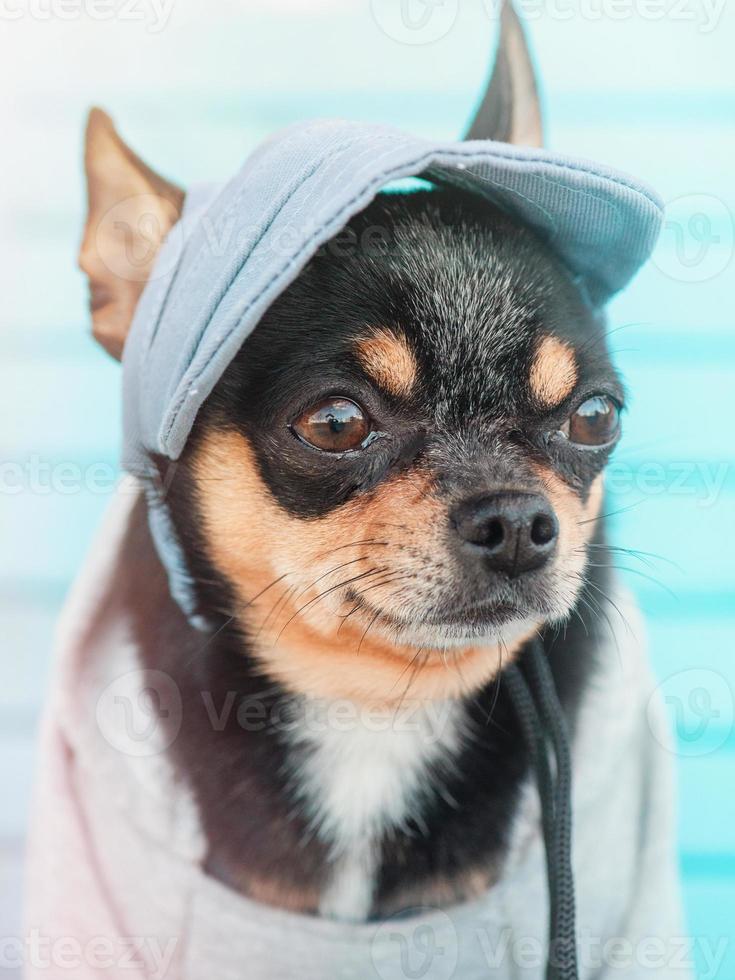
(604, 595)
(597, 611)
(352, 544)
(635, 553)
(388, 580)
(613, 513)
(331, 571)
(604, 334)
(263, 591)
(355, 608)
(639, 573)
(496, 684)
(417, 664)
(329, 591)
(215, 635)
(580, 617)
(280, 602)
(367, 630)
(408, 666)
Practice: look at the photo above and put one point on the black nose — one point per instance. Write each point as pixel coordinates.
(516, 532)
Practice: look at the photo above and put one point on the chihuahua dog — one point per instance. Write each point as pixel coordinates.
(396, 484)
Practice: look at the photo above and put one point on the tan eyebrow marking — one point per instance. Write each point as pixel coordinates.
(388, 359)
(553, 372)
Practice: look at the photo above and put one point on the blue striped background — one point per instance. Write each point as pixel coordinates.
(650, 98)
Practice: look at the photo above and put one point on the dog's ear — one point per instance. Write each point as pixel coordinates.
(131, 209)
(510, 110)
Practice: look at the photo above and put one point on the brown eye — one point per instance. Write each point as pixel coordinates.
(595, 423)
(335, 425)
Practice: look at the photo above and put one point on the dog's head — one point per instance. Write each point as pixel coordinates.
(399, 474)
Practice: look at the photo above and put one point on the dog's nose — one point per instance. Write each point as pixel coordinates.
(516, 532)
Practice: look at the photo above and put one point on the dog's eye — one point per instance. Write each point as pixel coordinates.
(595, 422)
(334, 425)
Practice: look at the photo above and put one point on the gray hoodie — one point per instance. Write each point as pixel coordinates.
(115, 863)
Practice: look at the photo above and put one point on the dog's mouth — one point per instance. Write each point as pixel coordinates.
(451, 623)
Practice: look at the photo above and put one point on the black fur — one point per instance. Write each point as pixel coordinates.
(235, 760)
(473, 292)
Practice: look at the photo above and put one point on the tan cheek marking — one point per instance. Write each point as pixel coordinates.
(306, 644)
(240, 520)
(576, 518)
(389, 360)
(553, 372)
(577, 525)
(382, 674)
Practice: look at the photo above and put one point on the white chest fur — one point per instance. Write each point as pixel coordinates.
(360, 774)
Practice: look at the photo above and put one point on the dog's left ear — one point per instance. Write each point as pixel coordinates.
(510, 111)
(131, 210)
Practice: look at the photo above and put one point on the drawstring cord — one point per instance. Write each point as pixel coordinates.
(544, 728)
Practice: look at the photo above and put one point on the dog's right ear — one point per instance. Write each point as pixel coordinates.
(131, 210)
(510, 111)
